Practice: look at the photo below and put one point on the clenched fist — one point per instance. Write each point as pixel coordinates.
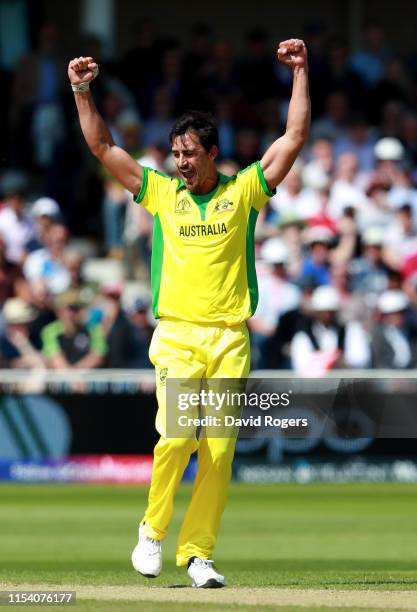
(82, 70)
(293, 53)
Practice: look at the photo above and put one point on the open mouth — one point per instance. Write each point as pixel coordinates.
(188, 176)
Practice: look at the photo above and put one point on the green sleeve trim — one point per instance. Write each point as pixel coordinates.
(263, 181)
(144, 186)
(156, 264)
(250, 260)
(49, 336)
(246, 169)
(98, 341)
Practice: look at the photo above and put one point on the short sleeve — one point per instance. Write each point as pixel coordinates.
(50, 343)
(155, 187)
(253, 187)
(98, 341)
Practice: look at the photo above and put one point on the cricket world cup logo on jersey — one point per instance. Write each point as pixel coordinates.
(182, 207)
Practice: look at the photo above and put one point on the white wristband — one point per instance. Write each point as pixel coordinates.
(82, 87)
(85, 86)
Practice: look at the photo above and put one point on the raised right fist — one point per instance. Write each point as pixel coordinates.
(82, 70)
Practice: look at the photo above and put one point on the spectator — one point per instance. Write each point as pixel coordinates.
(47, 265)
(145, 52)
(369, 62)
(277, 295)
(256, 72)
(393, 87)
(345, 192)
(16, 345)
(401, 238)
(69, 342)
(409, 137)
(46, 212)
(393, 341)
(333, 124)
(160, 121)
(12, 282)
(37, 114)
(324, 343)
(278, 349)
(16, 227)
(338, 74)
(316, 264)
(369, 272)
(288, 198)
(142, 333)
(360, 141)
(117, 328)
(246, 146)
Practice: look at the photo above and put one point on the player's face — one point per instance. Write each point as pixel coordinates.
(195, 165)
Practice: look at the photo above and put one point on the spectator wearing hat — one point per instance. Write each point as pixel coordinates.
(316, 264)
(142, 332)
(69, 342)
(277, 295)
(16, 346)
(369, 272)
(16, 226)
(394, 340)
(324, 343)
(46, 213)
(46, 266)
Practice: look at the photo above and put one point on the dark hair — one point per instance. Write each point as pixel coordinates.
(200, 123)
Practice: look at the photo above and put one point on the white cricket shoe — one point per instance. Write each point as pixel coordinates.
(203, 575)
(147, 555)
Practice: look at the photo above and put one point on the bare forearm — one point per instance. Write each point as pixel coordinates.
(298, 120)
(81, 71)
(96, 133)
(90, 361)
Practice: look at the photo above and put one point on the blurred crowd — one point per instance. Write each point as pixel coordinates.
(336, 246)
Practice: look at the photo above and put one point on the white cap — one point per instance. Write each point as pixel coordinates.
(389, 149)
(45, 207)
(325, 298)
(16, 310)
(318, 233)
(274, 251)
(392, 301)
(373, 236)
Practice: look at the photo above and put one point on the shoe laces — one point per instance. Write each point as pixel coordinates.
(153, 545)
(203, 563)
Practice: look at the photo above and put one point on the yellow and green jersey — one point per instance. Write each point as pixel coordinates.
(203, 258)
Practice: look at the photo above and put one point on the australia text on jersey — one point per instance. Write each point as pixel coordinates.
(211, 229)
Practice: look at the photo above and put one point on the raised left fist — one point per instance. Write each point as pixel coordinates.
(293, 53)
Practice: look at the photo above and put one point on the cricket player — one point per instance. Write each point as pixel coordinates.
(204, 288)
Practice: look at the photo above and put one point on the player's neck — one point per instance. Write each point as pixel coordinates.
(208, 185)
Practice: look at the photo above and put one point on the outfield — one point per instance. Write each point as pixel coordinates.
(282, 547)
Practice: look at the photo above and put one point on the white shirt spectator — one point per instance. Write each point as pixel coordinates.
(356, 353)
(16, 232)
(276, 297)
(41, 265)
(345, 194)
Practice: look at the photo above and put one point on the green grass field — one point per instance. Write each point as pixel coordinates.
(286, 547)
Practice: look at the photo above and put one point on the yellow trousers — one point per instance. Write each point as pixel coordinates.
(187, 350)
